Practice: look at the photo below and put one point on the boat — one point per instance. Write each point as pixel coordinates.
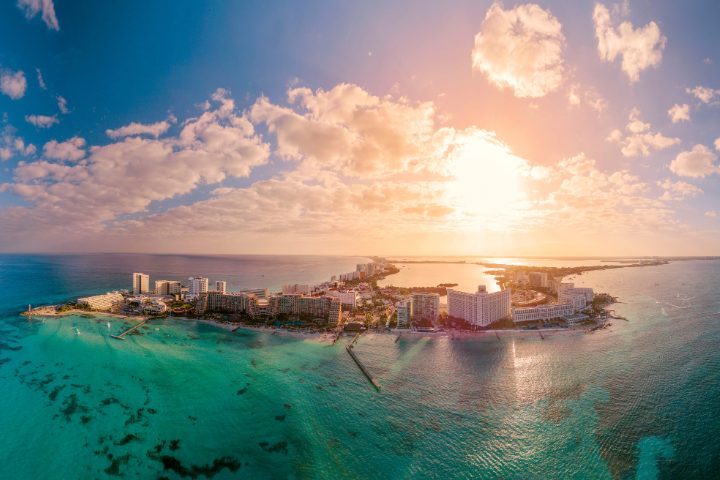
(77, 332)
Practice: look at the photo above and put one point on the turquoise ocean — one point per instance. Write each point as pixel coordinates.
(640, 399)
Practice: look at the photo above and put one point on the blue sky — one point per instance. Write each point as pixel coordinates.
(148, 62)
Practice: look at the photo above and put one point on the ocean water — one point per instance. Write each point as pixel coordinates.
(188, 400)
(467, 276)
(530, 261)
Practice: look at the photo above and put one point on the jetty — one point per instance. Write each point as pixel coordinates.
(130, 330)
(362, 368)
(338, 334)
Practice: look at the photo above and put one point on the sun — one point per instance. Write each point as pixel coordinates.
(487, 178)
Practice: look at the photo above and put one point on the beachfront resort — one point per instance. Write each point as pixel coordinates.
(353, 302)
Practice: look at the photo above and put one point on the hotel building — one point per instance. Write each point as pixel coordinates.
(167, 287)
(198, 285)
(425, 306)
(296, 288)
(141, 283)
(404, 313)
(348, 299)
(327, 308)
(258, 292)
(221, 286)
(101, 302)
(577, 297)
(480, 308)
(542, 312)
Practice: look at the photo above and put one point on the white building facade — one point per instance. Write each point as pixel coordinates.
(141, 283)
(480, 308)
(542, 312)
(198, 285)
(404, 313)
(101, 302)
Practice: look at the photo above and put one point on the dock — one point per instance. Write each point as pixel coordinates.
(130, 330)
(362, 368)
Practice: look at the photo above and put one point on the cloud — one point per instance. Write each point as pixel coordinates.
(350, 160)
(520, 48)
(13, 84)
(696, 163)
(639, 48)
(62, 105)
(712, 214)
(40, 79)
(126, 176)
(679, 113)
(584, 198)
(676, 191)
(704, 94)
(33, 7)
(11, 144)
(639, 139)
(69, 150)
(134, 128)
(717, 144)
(348, 130)
(42, 121)
(578, 95)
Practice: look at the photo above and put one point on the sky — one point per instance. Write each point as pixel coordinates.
(393, 128)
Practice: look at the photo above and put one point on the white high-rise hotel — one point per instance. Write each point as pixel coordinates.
(141, 283)
(198, 285)
(480, 308)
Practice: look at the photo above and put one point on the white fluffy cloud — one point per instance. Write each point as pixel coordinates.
(69, 150)
(704, 94)
(717, 144)
(125, 177)
(42, 121)
(353, 161)
(696, 163)
(11, 144)
(639, 48)
(520, 48)
(639, 139)
(679, 113)
(33, 7)
(153, 129)
(677, 191)
(350, 131)
(13, 84)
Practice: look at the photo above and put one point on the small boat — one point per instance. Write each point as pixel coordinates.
(108, 325)
(77, 332)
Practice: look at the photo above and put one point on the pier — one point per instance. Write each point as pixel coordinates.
(130, 330)
(362, 368)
